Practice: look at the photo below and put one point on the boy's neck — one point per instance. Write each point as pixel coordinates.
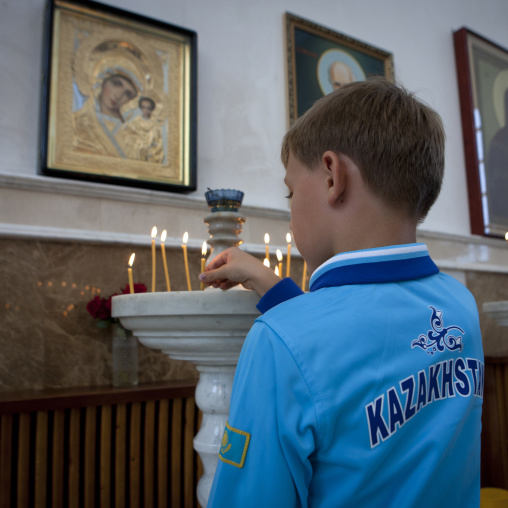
(380, 234)
(374, 224)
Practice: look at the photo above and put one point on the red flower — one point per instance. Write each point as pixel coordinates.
(98, 308)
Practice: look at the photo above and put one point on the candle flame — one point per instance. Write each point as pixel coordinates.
(277, 271)
(279, 254)
(163, 236)
(266, 263)
(267, 238)
(288, 238)
(131, 260)
(506, 237)
(204, 248)
(154, 232)
(185, 237)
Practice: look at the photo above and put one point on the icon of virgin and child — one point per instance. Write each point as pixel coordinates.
(116, 108)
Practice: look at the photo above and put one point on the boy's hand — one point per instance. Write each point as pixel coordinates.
(233, 267)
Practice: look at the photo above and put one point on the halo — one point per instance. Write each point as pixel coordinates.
(498, 92)
(336, 55)
(98, 57)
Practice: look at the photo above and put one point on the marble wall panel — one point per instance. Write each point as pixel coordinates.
(490, 287)
(49, 340)
(47, 337)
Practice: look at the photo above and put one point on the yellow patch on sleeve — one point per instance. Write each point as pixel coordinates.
(234, 446)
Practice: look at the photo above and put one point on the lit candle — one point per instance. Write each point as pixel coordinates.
(129, 273)
(154, 234)
(277, 271)
(279, 258)
(163, 249)
(203, 259)
(304, 276)
(288, 264)
(267, 250)
(185, 260)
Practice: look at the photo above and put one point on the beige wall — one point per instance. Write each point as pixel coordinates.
(55, 230)
(242, 103)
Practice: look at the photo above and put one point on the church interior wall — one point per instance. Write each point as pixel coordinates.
(76, 232)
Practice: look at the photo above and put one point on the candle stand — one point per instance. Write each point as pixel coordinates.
(207, 328)
(224, 222)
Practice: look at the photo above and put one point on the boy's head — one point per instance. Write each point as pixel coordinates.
(396, 141)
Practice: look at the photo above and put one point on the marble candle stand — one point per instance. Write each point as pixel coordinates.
(497, 311)
(224, 229)
(206, 328)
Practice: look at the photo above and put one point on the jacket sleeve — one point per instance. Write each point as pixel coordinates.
(272, 426)
(282, 291)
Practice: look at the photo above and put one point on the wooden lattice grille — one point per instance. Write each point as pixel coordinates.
(124, 455)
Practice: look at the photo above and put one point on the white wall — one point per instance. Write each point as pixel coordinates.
(241, 100)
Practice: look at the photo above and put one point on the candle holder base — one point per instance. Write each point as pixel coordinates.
(207, 328)
(224, 229)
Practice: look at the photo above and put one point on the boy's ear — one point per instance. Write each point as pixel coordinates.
(336, 177)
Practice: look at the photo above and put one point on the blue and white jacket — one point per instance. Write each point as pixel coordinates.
(365, 392)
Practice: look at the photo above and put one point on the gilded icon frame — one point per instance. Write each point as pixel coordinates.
(311, 51)
(482, 77)
(118, 98)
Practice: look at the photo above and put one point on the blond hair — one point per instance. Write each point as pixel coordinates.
(396, 140)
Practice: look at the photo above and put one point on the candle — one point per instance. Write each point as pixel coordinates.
(129, 273)
(185, 260)
(304, 276)
(288, 264)
(267, 250)
(154, 234)
(279, 258)
(163, 249)
(203, 259)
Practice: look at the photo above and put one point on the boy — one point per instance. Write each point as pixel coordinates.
(366, 391)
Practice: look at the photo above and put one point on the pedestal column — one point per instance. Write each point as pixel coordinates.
(213, 395)
(206, 328)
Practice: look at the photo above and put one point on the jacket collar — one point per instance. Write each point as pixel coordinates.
(371, 266)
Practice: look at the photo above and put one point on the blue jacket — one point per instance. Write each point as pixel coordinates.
(365, 392)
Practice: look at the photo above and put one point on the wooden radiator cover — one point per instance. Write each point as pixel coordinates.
(100, 447)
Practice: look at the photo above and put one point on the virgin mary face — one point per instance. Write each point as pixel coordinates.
(116, 91)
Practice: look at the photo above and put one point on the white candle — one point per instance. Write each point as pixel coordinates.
(267, 250)
(154, 234)
(129, 273)
(279, 259)
(203, 259)
(304, 276)
(288, 263)
(164, 261)
(185, 259)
